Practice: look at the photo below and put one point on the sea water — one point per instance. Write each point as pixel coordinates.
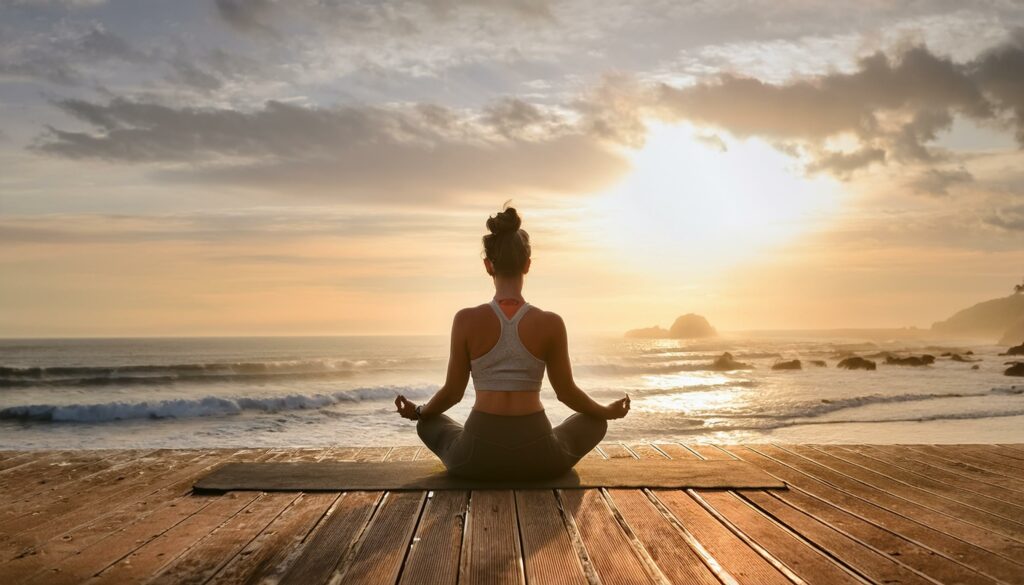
(324, 391)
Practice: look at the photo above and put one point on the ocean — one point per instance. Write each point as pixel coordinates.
(324, 391)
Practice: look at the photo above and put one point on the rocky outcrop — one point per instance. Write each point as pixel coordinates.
(790, 365)
(1016, 369)
(726, 362)
(1015, 350)
(992, 320)
(856, 363)
(648, 333)
(691, 326)
(914, 360)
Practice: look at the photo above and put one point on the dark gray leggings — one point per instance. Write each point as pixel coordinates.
(492, 446)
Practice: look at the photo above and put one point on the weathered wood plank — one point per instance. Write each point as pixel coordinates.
(912, 493)
(379, 553)
(212, 552)
(999, 544)
(330, 543)
(85, 519)
(145, 561)
(96, 545)
(959, 467)
(858, 544)
(973, 459)
(960, 480)
(492, 551)
(945, 484)
(729, 550)
(105, 487)
(665, 543)
(940, 531)
(437, 544)
(323, 553)
(778, 540)
(548, 552)
(263, 557)
(609, 548)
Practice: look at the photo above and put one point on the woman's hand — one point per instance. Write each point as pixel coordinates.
(617, 409)
(406, 409)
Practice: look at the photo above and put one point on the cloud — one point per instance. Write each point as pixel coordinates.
(246, 15)
(1009, 218)
(420, 152)
(938, 181)
(843, 164)
(893, 108)
(59, 55)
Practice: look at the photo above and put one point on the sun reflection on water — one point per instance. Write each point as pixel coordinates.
(690, 402)
(685, 380)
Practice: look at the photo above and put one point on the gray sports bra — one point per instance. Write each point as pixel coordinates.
(508, 366)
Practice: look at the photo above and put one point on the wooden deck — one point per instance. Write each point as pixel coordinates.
(852, 514)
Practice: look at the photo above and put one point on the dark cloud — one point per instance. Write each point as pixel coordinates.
(938, 181)
(1001, 72)
(353, 152)
(893, 106)
(514, 118)
(246, 15)
(536, 9)
(843, 164)
(1010, 218)
(59, 55)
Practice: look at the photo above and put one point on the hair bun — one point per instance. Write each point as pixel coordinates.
(505, 221)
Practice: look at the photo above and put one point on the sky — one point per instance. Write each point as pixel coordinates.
(318, 167)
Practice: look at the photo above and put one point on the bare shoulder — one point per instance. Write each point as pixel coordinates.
(470, 315)
(549, 320)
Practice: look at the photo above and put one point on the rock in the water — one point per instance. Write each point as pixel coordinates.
(913, 360)
(959, 358)
(1015, 350)
(648, 333)
(856, 363)
(1016, 369)
(691, 326)
(819, 363)
(975, 367)
(790, 365)
(726, 362)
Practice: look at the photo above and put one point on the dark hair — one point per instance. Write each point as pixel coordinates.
(507, 246)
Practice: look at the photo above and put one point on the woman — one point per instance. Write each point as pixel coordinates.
(506, 345)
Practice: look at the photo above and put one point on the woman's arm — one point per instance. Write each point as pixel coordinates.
(560, 376)
(455, 383)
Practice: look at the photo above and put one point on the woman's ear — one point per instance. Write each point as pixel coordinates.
(526, 267)
(488, 266)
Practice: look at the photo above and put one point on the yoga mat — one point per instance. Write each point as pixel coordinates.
(431, 475)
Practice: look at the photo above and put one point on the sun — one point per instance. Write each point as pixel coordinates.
(699, 199)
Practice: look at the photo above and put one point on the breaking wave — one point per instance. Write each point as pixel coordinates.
(168, 374)
(204, 406)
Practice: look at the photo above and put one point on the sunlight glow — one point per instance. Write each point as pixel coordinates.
(699, 199)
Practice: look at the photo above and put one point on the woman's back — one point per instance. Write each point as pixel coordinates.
(483, 334)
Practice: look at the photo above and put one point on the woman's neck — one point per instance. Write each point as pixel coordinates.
(508, 288)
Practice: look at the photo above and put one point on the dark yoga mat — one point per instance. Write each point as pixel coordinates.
(431, 475)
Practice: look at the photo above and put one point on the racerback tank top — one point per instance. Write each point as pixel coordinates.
(508, 366)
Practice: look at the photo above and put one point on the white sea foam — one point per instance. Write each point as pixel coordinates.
(201, 407)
